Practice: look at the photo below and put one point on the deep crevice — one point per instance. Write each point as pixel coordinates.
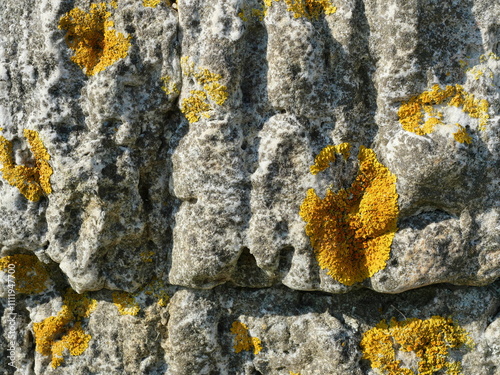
(247, 273)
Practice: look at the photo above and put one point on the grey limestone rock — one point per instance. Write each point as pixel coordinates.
(186, 162)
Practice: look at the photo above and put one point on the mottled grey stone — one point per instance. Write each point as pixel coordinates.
(139, 192)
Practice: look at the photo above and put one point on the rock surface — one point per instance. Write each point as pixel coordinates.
(183, 166)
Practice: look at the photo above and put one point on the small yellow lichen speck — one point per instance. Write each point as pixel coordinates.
(169, 86)
(412, 113)
(216, 92)
(243, 341)
(429, 339)
(156, 289)
(32, 181)
(351, 231)
(125, 303)
(461, 135)
(64, 331)
(151, 3)
(147, 256)
(30, 274)
(197, 104)
(311, 9)
(205, 76)
(91, 35)
(187, 66)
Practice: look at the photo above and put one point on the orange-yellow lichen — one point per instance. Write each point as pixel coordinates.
(91, 35)
(478, 71)
(311, 9)
(204, 76)
(30, 274)
(125, 303)
(429, 339)
(243, 341)
(197, 104)
(32, 181)
(151, 3)
(461, 135)
(351, 230)
(64, 331)
(419, 116)
(216, 92)
(327, 156)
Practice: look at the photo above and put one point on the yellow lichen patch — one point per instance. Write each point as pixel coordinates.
(195, 106)
(243, 341)
(247, 13)
(198, 104)
(429, 339)
(169, 86)
(351, 230)
(32, 181)
(461, 135)
(310, 8)
(479, 70)
(216, 92)
(204, 76)
(126, 303)
(327, 156)
(147, 256)
(156, 289)
(151, 3)
(419, 116)
(294, 373)
(80, 305)
(30, 274)
(64, 331)
(91, 35)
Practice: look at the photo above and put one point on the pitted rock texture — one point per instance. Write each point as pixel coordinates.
(299, 332)
(142, 190)
(214, 196)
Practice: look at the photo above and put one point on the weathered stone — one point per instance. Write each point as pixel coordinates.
(188, 161)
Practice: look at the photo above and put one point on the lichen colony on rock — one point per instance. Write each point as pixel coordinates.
(33, 181)
(243, 340)
(311, 9)
(351, 230)
(64, 331)
(430, 339)
(91, 35)
(420, 116)
(30, 275)
(198, 104)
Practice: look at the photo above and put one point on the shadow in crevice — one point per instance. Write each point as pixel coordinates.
(285, 261)
(247, 273)
(448, 33)
(422, 220)
(350, 67)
